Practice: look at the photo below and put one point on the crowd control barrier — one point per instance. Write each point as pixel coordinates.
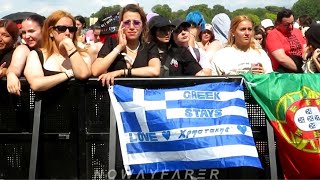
(69, 131)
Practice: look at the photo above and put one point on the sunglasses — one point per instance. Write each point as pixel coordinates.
(64, 28)
(165, 29)
(136, 23)
(180, 29)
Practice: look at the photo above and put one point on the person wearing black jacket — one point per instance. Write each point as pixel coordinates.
(175, 60)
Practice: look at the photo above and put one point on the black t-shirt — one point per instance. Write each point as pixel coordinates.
(181, 62)
(146, 52)
(6, 56)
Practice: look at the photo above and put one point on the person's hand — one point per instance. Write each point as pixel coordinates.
(1, 69)
(122, 37)
(108, 78)
(316, 55)
(67, 44)
(13, 84)
(257, 68)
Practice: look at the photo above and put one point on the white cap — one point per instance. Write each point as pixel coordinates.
(267, 23)
(208, 27)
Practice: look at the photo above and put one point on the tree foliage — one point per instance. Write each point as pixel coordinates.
(307, 7)
(256, 14)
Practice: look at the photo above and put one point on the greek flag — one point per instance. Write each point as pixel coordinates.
(199, 127)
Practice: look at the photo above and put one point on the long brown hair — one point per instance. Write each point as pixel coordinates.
(137, 9)
(234, 24)
(49, 23)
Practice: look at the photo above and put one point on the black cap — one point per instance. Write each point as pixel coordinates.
(179, 22)
(313, 35)
(158, 22)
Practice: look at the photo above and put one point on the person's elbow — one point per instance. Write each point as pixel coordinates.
(96, 70)
(37, 87)
(155, 72)
(83, 75)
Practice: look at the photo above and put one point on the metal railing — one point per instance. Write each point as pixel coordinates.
(70, 130)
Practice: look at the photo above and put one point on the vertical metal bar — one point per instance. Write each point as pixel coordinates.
(35, 140)
(272, 152)
(112, 143)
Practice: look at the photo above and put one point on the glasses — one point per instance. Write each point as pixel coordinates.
(64, 28)
(136, 23)
(288, 25)
(165, 29)
(180, 29)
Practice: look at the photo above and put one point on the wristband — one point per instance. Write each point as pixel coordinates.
(116, 50)
(69, 73)
(72, 53)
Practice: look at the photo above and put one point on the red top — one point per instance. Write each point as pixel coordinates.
(292, 44)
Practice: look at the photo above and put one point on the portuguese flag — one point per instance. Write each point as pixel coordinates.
(292, 102)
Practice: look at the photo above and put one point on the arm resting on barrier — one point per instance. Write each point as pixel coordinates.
(35, 75)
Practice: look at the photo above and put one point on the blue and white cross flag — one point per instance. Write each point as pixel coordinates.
(199, 127)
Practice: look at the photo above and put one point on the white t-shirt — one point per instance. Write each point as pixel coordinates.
(203, 60)
(233, 61)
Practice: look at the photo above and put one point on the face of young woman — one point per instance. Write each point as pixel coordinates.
(206, 36)
(132, 25)
(163, 34)
(6, 40)
(79, 25)
(258, 38)
(64, 28)
(243, 33)
(31, 33)
(181, 36)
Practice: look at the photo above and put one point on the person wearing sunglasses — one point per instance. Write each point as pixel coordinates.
(9, 33)
(285, 44)
(181, 37)
(130, 55)
(59, 59)
(197, 21)
(31, 29)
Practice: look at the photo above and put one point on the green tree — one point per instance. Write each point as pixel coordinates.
(255, 19)
(274, 9)
(203, 8)
(217, 9)
(106, 10)
(270, 15)
(164, 10)
(308, 7)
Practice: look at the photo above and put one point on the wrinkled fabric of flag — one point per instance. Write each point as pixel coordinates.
(198, 127)
(292, 102)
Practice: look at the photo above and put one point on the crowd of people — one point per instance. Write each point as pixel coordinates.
(54, 49)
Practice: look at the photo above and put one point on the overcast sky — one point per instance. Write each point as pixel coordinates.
(87, 7)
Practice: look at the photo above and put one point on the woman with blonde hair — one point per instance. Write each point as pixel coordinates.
(131, 55)
(241, 54)
(59, 59)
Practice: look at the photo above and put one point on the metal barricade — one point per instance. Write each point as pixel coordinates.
(77, 130)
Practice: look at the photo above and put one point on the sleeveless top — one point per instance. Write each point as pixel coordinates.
(45, 72)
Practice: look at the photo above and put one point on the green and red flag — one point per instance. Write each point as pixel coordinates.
(292, 103)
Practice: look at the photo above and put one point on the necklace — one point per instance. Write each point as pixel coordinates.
(133, 50)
